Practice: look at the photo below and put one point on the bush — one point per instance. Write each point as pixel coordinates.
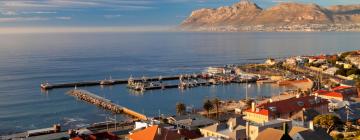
(339, 136)
(342, 72)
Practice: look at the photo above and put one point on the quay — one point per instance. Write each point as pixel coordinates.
(48, 86)
(104, 103)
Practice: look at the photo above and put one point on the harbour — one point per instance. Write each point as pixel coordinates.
(24, 106)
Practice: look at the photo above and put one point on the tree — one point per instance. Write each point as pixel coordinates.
(180, 108)
(341, 72)
(208, 106)
(327, 121)
(216, 102)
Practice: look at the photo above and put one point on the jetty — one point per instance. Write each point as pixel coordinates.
(104, 103)
(48, 86)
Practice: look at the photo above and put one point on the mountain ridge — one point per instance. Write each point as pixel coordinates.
(247, 13)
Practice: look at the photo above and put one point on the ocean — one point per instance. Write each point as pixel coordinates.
(27, 60)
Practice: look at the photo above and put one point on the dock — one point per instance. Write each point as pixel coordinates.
(48, 86)
(104, 103)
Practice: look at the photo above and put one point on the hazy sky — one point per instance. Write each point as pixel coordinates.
(73, 13)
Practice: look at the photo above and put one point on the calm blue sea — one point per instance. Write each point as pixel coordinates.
(27, 60)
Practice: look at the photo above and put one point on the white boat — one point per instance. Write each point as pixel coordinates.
(107, 82)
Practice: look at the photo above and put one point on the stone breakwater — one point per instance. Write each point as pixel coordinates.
(104, 103)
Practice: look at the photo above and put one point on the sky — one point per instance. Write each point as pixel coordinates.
(109, 13)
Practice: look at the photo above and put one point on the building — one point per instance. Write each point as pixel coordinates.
(331, 70)
(291, 61)
(354, 59)
(97, 136)
(190, 122)
(231, 130)
(345, 65)
(292, 108)
(155, 132)
(253, 130)
(317, 59)
(341, 93)
(215, 70)
(301, 133)
(273, 134)
(270, 62)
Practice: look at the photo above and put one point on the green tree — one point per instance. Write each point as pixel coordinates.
(327, 121)
(341, 72)
(180, 108)
(216, 103)
(208, 106)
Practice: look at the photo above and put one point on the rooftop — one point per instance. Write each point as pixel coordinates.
(293, 104)
(155, 133)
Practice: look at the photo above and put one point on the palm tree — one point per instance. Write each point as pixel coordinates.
(216, 102)
(180, 108)
(208, 106)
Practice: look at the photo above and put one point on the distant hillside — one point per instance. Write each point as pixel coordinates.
(248, 14)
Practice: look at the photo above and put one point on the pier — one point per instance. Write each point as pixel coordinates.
(48, 86)
(104, 103)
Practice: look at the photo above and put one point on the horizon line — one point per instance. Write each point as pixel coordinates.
(87, 29)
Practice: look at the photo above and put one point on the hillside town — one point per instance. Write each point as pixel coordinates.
(324, 104)
(282, 28)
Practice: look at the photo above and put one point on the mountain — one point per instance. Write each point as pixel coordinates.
(248, 14)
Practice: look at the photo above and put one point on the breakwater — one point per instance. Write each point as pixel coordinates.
(48, 86)
(104, 103)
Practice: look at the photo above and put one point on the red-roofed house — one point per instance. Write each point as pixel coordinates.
(341, 93)
(155, 132)
(292, 108)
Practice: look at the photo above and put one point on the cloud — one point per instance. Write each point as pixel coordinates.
(22, 19)
(64, 18)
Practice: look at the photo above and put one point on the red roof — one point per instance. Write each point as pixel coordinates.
(334, 94)
(264, 112)
(340, 88)
(152, 133)
(293, 104)
(321, 91)
(318, 57)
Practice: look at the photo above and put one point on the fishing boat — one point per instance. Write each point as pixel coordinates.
(107, 82)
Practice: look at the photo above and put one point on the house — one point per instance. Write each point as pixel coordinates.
(292, 108)
(317, 59)
(253, 130)
(291, 61)
(231, 130)
(273, 134)
(270, 62)
(155, 132)
(190, 122)
(354, 59)
(97, 136)
(301, 133)
(331, 70)
(215, 70)
(341, 93)
(345, 65)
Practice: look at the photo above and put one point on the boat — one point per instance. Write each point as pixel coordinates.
(266, 81)
(107, 82)
(45, 85)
